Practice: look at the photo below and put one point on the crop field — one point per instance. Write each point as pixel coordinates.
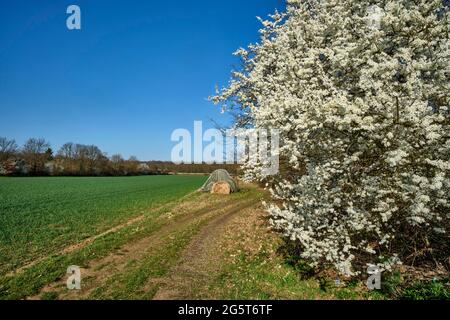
(39, 216)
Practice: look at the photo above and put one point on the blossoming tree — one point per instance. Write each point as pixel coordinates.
(360, 92)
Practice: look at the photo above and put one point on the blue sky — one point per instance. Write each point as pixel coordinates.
(136, 70)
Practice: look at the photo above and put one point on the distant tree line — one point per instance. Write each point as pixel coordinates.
(37, 158)
(172, 168)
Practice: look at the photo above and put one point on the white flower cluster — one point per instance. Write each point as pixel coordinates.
(365, 110)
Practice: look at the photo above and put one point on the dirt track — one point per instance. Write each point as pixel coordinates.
(198, 261)
(194, 264)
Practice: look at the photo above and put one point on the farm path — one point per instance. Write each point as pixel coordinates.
(165, 273)
(200, 261)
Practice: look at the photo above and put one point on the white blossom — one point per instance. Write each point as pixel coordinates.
(364, 121)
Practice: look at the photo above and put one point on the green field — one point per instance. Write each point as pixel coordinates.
(39, 216)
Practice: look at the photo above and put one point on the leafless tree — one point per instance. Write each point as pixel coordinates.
(117, 163)
(8, 148)
(117, 158)
(34, 153)
(132, 165)
(67, 150)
